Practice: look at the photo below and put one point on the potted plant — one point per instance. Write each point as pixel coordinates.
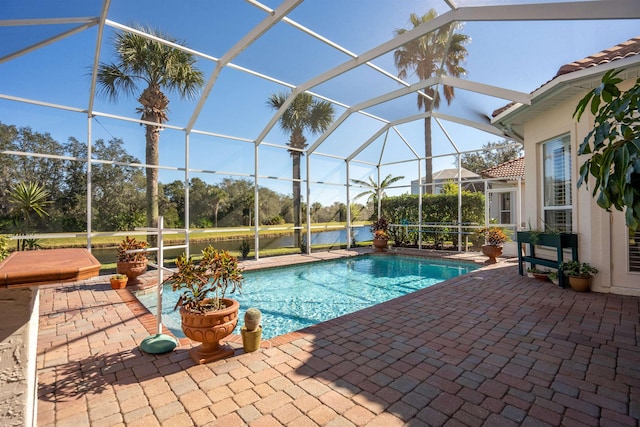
(132, 264)
(380, 232)
(494, 238)
(118, 281)
(252, 330)
(207, 315)
(539, 274)
(580, 274)
(553, 276)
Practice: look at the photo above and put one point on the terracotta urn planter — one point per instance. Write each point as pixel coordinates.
(579, 283)
(379, 244)
(492, 252)
(132, 269)
(209, 328)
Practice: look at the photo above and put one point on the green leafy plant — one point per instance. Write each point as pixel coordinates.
(128, 244)
(614, 145)
(245, 248)
(205, 283)
(578, 269)
(119, 276)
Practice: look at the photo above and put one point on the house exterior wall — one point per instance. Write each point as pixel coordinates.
(600, 233)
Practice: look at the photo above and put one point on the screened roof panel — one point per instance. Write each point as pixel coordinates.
(312, 47)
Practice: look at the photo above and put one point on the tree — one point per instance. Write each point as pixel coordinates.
(491, 156)
(304, 114)
(26, 199)
(614, 146)
(375, 192)
(142, 61)
(439, 52)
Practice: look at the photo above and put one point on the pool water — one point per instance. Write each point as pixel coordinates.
(292, 298)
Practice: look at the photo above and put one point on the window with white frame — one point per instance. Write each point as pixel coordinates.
(556, 200)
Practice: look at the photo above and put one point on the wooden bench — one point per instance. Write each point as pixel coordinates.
(559, 241)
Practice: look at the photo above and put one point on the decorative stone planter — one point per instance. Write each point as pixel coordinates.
(132, 270)
(209, 328)
(251, 339)
(492, 252)
(380, 244)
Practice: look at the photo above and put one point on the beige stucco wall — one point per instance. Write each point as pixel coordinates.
(18, 339)
(598, 230)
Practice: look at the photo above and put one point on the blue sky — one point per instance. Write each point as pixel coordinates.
(519, 55)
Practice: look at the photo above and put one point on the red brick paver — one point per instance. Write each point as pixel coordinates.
(488, 348)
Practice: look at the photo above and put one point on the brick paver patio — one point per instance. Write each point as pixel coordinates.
(489, 348)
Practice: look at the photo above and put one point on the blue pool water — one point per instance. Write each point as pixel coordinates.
(292, 298)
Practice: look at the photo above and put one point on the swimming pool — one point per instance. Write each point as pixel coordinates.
(294, 297)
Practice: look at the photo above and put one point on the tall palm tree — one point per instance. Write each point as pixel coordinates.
(153, 67)
(437, 53)
(304, 114)
(375, 191)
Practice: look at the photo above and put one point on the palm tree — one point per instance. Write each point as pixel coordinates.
(152, 66)
(437, 53)
(27, 198)
(375, 191)
(304, 114)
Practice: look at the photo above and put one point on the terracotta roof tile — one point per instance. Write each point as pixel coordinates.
(511, 169)
(620, 51)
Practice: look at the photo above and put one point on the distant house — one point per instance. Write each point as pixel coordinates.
(505, 187)
(551, 138)
(470, 180)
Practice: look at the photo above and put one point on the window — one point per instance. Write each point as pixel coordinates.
(556, 207)
(634, 252)
(505, 208)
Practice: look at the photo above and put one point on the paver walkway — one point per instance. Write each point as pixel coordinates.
(489, 348)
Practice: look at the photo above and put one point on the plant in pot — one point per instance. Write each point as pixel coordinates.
(252, 330)
(380, 230)
(132, 264)
(539, 274)
(553, 276)
(207, 315)
(118, 281)
(494, 238)
(580, 274)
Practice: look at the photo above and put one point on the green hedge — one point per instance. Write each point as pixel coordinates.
(436, 208)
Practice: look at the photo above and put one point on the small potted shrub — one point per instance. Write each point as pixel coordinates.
(118, 281)
(494, 238)
(553, 276)
(132, 264)
(380, 232)
(539, 274)
(207, 315)
(580, 275)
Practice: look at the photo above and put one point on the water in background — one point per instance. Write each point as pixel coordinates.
(292, 298)
(109, 255)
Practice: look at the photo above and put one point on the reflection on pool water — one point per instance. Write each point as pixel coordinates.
(292, 298)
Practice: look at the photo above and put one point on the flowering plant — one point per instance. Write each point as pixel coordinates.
(381, 234)
(494, 236)
(379, 228)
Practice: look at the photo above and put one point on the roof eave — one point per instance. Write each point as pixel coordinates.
(580, 80)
